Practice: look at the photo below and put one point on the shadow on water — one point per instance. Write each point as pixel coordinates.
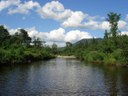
(115, 78)
(63, 77)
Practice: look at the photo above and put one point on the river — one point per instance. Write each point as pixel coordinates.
(63, 77)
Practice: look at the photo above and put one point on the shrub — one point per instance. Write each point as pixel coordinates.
(94, 56)
(110, 60)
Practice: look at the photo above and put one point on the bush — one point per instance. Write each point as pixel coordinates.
(110, 60)
(118, 56)
(94, 56)
(21, 55)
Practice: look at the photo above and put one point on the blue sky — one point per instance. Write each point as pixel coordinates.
(59, 21)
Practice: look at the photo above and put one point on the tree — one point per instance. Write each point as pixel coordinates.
(68, 44)
(4, 35)
(106, 35)
(24, 37)
(21, 37)
(54, 48)
(113, 19)
(68, 48)
(37, 42)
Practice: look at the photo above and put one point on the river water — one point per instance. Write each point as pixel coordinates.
(63, 77)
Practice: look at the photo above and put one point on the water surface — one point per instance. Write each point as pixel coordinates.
(63, 77)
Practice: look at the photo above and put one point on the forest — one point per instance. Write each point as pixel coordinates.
(110, 50)
(20, 48)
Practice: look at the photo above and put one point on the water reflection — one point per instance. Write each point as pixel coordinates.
(63, 77)
(115, 79)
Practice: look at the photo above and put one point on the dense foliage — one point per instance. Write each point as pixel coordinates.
(20, 48)
(112, 49)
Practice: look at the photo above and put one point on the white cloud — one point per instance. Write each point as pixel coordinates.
(76, 35)
(32, 32)
(124, 33)
(74, 20)
(122, 24)
(12, 31)
(24, 8)
(56, 35)
(105, 25)
(91, 25)
(8, 3)
(54, 10)
(59, 36)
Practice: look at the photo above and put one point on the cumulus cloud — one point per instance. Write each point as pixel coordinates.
(105, 25)
(24, 8)
(91, 24)
(8, 3)
(74, 20)
(54, 36)
(122, 24)
(67, 18)
(54, 10)
(33, 32)
(13, 31)
(58, 36)
(76, 35)
(124, 33)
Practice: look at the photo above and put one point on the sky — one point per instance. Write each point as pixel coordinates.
(60, 21)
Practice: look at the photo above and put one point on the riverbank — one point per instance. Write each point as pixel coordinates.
(20, 48)
(113, 59)
(23, 55)
(70, 57)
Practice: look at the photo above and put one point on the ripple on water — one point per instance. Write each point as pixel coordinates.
(62, 77)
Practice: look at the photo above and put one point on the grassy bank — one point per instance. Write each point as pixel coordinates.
(23, 55)
(114, 59)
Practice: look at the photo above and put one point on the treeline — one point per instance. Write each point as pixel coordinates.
(112, 49)
(20, 48)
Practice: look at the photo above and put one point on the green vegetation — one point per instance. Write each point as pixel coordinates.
(111, 50)
(20, 48)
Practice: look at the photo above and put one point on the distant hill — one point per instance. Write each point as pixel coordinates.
(84, 41)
